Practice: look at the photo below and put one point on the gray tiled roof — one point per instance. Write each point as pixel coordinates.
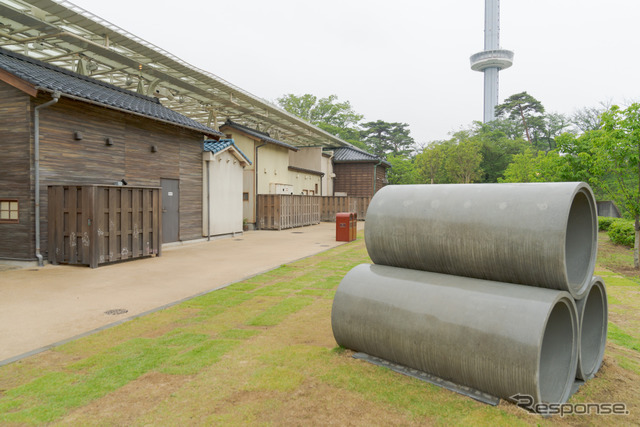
(349, 154)
(263, 136)
(51, 78)
(217, 146)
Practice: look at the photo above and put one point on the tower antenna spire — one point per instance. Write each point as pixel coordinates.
(492, 59)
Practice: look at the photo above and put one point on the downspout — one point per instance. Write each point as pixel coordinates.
(208, 201)
(375, 176)
(255, 213)
(36, 155)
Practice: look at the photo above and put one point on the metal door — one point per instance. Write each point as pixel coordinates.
(170, 210)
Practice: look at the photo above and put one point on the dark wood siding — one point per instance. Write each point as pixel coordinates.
(16, 240)
(190, 190)
(356, 179)
(381, 177)
(65, 160)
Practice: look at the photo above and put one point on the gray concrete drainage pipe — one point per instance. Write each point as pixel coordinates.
(592, 319)
(494, 337)
(537, 234)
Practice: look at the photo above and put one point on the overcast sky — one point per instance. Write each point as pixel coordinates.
(399, 61)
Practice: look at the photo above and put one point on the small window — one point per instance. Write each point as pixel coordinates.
(8, 210)
(245, 196)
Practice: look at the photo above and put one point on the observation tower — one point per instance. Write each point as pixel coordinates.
(492, 59)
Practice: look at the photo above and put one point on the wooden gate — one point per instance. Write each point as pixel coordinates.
(92, 225)
(334, 204)
(281, 211)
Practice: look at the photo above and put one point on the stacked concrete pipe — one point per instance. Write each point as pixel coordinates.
(592, 318)
(477, 284)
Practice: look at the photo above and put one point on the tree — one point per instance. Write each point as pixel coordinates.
(383, 138)
(547, 128)
(430, 162)
(532, 166)
(337, 118)
(588, 118)
(463, 159)
(402, 171)
(497, 149)
(521, 106)
(616, 154)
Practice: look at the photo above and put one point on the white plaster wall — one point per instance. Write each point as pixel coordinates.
(327, 181)
(304, 183)
(225, 183)
(273, 167)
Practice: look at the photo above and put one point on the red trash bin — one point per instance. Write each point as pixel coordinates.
(343, 226)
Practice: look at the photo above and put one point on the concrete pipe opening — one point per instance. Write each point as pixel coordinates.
(593, 318)
(557, 356)
(580, 243)
(499, 338)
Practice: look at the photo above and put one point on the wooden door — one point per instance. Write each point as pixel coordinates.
(170, 210)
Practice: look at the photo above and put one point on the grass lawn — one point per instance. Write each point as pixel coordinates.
(261, 351)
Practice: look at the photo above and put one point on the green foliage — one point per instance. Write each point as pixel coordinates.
(622, 232)
(403, 170)
(463, 159)
(454, 161)
(497, 148)
(384, 138)
(538, 166)
(545, 129)
(604, 222)
(588, 118)
(337, 118)
(613, 159)
(430, 163)
(524, 107)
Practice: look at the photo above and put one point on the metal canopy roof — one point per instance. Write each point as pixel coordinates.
(61, 33)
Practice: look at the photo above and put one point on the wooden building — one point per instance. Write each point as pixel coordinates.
(223, 165)
(69, 129)
(358, 173)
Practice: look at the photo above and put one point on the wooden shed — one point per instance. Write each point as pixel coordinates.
(59, 128)
(358, 173)
(223, 163)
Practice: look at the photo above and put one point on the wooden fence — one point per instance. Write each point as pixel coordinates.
(330, 205)
(282, 211)
(92, 225)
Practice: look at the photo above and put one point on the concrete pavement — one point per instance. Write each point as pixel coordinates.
(41, 307)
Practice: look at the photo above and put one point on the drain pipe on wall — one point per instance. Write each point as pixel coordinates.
(208, 162)
(255, 215)
(36, 155)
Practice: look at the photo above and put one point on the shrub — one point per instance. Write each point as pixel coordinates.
(622, 232)
(604, 222)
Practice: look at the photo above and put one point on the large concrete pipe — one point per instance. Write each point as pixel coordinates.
(538, 234)
(592, 320)
(498, 338)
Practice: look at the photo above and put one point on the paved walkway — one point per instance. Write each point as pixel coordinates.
(40, 307)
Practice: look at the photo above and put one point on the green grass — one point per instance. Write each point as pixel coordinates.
(261, 351)
(277, 313)
(618, 336)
